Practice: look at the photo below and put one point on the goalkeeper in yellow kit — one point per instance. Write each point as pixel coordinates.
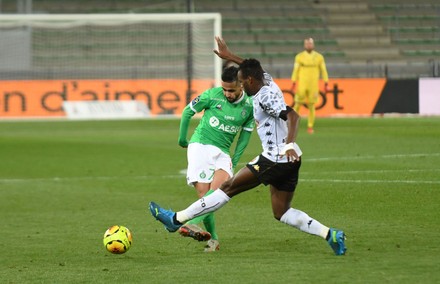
(308, 67)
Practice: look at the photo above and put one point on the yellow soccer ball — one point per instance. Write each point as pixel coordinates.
(117, 239)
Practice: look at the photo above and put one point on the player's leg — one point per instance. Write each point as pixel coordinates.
(242, 181)
(300, 98)
(208, 168)
(282, 192)
(311, 118)
(191, 228)
(199, 174)
(312, 114)
(222, 165)
(312, 98)
(220, 176)
(282, 210)
(302, 221)
(201, 188)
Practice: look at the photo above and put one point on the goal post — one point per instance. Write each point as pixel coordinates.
(110, 46)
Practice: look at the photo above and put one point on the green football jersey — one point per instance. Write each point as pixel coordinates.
(221, 120)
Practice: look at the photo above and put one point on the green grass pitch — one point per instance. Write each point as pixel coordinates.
(64, 183)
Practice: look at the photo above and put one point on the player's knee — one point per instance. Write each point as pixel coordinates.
(227, 186)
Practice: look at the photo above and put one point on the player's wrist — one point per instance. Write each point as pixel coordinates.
(287, 147)
(183, 142)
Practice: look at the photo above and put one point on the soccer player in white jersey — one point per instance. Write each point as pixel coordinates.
(277, 166)
(227, 112)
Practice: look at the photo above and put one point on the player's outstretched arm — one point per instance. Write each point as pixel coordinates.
(292, 130)
(224, 53)
(187, 114)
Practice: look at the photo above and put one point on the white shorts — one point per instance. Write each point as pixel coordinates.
(203, 161)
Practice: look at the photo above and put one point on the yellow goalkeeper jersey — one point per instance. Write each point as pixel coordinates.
(308, 67)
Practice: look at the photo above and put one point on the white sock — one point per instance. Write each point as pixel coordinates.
(303, 222)
(204, 205)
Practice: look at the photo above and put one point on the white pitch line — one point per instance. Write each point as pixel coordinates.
(371, 157)
(65, 179)
(371, 181)
(56, 179)
(371, 171)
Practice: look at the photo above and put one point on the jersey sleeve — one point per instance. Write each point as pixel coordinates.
(249, 125)
(272, 101)
(323, 70)
(295, 71)
(187, 114)
(201, 102)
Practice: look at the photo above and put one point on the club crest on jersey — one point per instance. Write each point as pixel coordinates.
(243, 113)
(195, 101)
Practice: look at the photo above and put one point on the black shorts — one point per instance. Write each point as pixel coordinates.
(283, 176)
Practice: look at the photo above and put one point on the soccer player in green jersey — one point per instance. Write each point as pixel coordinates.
(227, 112)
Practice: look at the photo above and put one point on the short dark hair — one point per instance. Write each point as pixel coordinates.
(251, 68)
(229, 74)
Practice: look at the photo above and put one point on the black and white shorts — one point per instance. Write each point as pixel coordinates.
(283, 176)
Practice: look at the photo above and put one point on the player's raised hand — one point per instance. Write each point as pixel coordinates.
(224, 53)
(222, 49)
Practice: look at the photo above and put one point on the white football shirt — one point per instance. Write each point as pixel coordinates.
(268, 104)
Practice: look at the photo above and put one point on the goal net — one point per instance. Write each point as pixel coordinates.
(109, 46)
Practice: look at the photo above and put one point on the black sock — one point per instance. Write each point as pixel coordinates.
(175, 220)
(328, 236)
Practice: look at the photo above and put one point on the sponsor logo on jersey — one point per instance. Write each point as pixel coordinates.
(229, 117)
(215, 122)
(229, 128)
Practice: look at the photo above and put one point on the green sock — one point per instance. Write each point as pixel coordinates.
(197, 220)
(208, 220)
(209, 223)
